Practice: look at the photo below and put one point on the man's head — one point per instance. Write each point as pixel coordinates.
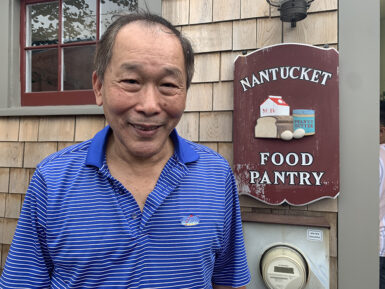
(104, 48)
(141, 81)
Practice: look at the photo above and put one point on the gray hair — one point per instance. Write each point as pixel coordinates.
(103, 53)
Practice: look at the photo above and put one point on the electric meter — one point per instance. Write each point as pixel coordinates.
(283, 267)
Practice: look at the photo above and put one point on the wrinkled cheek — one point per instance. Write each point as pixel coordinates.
(174, 109)
(118, 103)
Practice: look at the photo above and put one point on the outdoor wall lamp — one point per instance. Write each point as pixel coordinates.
(291, 10)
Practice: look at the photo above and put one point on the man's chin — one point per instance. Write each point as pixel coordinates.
(147, 151)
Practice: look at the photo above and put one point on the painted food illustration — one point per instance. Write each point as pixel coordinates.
(276, 122)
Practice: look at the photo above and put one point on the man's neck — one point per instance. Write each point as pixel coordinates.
(117, 153)
(138, 175)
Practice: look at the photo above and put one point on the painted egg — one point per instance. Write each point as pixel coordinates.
(287, 135)
(299, 133)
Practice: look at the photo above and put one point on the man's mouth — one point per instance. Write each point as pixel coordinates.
(145, 127)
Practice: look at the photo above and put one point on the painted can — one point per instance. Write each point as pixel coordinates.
(305, 119)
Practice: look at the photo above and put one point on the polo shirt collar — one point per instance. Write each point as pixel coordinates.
(97, 148)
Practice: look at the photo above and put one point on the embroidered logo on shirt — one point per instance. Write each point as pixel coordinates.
(190, 221)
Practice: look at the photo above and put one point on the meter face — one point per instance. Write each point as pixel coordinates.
(284, 268)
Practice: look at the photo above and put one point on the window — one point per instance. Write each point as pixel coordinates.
(58, 43)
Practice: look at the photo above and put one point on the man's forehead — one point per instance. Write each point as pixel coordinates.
(138, 25)
(146, 34)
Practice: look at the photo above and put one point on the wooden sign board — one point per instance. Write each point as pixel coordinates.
(286, 124)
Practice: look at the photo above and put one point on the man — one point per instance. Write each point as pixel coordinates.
(137, 206)
(382, 195)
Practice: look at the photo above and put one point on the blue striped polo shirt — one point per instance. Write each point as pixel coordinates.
(81, 228)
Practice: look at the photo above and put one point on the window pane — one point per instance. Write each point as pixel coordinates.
(79, 20)
(78, 67)
(111, 8)
(42, 70)
(42, 24)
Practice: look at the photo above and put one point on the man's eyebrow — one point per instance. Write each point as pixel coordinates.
(172, 71)
(129, 66)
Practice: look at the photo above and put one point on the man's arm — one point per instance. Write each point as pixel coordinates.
(28, 263)
(226, 287)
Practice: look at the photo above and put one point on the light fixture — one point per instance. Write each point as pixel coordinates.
(291, 10)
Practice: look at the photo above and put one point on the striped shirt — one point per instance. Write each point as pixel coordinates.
(81, 228)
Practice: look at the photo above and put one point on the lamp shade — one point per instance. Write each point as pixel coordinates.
(291, 10)
(278, 3)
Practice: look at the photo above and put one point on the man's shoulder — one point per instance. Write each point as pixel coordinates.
(74, 154)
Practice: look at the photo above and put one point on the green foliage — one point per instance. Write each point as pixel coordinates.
(79, 21)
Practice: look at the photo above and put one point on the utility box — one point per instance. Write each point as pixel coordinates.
(284, 256)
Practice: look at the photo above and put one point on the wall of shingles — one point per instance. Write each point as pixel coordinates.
(219, 30)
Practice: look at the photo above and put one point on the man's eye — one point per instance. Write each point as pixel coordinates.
(130, 81)
(169, 84)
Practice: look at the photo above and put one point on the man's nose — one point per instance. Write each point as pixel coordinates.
(149, 100)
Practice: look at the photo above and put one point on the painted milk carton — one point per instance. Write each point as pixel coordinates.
(274, 105)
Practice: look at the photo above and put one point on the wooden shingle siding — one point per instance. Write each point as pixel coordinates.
(257, 9)
(56, 129)
(216, 126)
(226, 10)
(226, 150)
(4, 180)
(12, 205)
(206, 68)
(188, 127)
(201, 11)
(269, 32)
(210, 37)
(35, 152)
(2, 204)
(4, 253)
(315, 29)
(227, 64)
(29, 128)
(324, 5)
(176, 11)
(9, 227)
(18, 180)
(87, 126)
(200, 97)
(223, 96)
(9, 129)
(11, 154)
(245, 34)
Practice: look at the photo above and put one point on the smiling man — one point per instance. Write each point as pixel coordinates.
(137, 206)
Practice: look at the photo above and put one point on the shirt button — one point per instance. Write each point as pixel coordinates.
(134, 216)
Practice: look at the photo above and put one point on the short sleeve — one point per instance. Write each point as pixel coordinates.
(230, 267)
(28, 263)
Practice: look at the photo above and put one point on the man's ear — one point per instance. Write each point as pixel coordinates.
(97, 87)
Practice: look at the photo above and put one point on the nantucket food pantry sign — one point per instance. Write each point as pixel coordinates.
(286, 124)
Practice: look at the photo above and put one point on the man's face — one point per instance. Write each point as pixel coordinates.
(382, 134)
(144, 88)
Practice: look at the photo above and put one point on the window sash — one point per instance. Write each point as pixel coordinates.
(59, 96)
(29, 97)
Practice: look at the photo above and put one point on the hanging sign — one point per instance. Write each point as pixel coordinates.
(286, 124)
